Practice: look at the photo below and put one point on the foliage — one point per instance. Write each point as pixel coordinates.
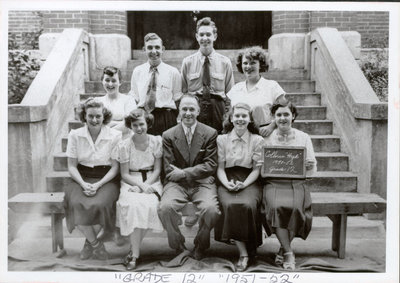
(375, 68)
(22, 67)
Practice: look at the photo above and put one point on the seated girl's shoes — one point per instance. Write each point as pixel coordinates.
(289, 261)
(99, 251)
(87, 251)
(242, 264)
(130, 261)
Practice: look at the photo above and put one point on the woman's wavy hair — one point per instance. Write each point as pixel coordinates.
(284, 103)
(111, 71)
(93, 103)
(253, 53)
(134, 115)
(228, 125)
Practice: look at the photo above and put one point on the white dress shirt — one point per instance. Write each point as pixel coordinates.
(221, 74)
(81, 146)
(169, 85)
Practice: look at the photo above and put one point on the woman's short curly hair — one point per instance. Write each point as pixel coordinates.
(228, 125)
(253, 53)
(284, 103)
(134, 115)
(111, 71)
(93, 103)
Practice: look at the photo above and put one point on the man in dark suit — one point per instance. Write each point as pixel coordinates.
(190, 161)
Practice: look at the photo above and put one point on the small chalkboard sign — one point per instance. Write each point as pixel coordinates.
(284, 162)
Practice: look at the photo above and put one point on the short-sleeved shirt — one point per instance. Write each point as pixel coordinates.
(81, 146)
(260, 98)
(239, 151)
(296, 138)
(168, 84)
(139, 159)
(221, 74)
(119, 107)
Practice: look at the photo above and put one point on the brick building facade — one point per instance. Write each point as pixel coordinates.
(373, 26)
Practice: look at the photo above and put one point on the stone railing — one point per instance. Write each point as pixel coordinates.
(358, 116)
(35, 125)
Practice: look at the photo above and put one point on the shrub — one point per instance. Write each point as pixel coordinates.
(375, 68)
(22, 68)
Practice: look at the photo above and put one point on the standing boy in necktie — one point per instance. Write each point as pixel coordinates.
(156, 86)
(208, 75)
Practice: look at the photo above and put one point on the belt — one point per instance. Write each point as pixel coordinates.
(144, 178)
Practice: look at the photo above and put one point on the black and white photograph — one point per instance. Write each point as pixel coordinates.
(208, 141)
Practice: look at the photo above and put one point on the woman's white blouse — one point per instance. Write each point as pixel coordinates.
(119, 107)
(81, 146)
(239, 151)
(296, 138)
(259, 98)
(138, 159)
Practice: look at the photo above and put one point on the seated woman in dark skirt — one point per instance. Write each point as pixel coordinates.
(287, 202)
(90, 200)
(239, 192)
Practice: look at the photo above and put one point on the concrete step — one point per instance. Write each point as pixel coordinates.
(332, 161)
(326, 161)
(324, 181)
(288, 85)
(321, 143)
(358, 227)
(311, 112)
(325, 143)
(312, 127)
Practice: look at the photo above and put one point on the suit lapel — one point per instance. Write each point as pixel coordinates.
(181, 144)
(197, 142)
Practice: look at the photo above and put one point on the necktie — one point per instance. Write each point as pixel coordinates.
(150, 102)
(189, 136)
(206, 79)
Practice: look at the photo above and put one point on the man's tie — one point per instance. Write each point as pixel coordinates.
(150, 102)
(206, 79)
(189, 136)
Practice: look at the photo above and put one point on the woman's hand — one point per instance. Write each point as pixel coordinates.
(134, 189)
(150, 190)
(239, 186)
(87, 189)
(267, 130)
(230, 186)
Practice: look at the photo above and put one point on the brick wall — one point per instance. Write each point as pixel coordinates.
(56, 21)
(108, 22)
(20, 22)
(342, 20)
(373, 26)
(290, 21)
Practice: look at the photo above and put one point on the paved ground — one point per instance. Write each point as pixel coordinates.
(365, 252)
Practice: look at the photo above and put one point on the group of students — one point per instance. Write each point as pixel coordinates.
(213, 132)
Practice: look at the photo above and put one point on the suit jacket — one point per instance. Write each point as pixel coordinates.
(199, 161)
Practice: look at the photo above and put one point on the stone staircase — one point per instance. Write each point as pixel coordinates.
(334, 174)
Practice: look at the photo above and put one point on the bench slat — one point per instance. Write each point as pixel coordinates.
(322, 203)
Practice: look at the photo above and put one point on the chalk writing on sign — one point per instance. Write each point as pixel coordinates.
(284, 162)
(153, 277)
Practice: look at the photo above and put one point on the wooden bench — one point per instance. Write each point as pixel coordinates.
(336, 206)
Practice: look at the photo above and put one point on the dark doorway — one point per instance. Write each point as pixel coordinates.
(177, 28)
